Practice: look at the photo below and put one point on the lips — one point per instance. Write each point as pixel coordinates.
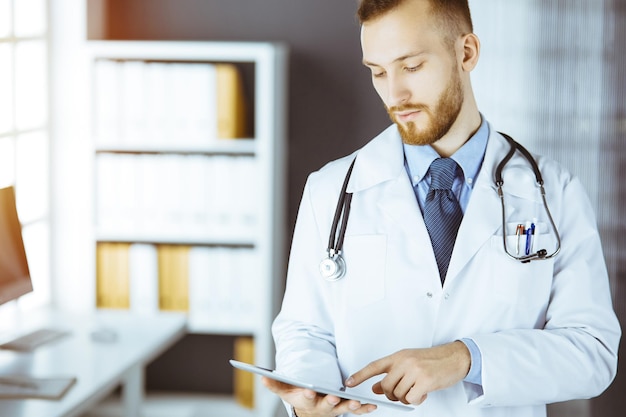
(407, 115)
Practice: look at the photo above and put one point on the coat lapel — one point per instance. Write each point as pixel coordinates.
(483, 215)
(381, 164)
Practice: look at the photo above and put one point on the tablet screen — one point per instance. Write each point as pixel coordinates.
(322, 390)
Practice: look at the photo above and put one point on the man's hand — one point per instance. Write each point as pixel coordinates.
(308, 403)
(413, 373)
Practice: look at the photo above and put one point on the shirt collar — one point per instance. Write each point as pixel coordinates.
(469, 157)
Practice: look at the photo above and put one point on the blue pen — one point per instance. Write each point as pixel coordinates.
(529, 238)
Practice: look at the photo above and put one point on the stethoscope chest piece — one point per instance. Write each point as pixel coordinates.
(333, 268)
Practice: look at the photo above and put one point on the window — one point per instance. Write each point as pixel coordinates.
(24, 130)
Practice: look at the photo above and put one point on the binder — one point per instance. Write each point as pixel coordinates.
(243, 382)
(150, 197)
(202, 271)
(200, 102)
(231, 103)
(173, 261)
(168, 101)
(107, 204)
(107, 101)
(132, 101)
(245, 278)
(158, 101)
(112, 275)
(144, 292)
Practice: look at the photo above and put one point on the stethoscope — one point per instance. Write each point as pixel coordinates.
(541, 254)
(333, 266)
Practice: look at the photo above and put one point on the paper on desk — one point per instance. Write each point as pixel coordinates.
(23, 386)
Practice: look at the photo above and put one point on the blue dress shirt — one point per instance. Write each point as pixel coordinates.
(469, 157)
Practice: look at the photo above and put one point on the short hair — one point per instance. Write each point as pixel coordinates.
(454, 15)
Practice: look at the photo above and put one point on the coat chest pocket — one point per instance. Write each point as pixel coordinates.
(516, 282)
(366, 258)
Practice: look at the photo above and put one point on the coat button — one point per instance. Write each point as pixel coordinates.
(429, 294)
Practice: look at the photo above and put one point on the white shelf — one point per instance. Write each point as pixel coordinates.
(261, 229)
(76, 153)
(201, 326)
(198, 51)
(244, 146)
(193, 239)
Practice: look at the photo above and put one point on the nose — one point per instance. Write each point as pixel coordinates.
(398, 92)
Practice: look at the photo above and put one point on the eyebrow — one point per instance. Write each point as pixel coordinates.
(399, 59)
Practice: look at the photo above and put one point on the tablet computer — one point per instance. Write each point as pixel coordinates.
(322, 390)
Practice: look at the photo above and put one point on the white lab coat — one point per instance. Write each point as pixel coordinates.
(546, 329)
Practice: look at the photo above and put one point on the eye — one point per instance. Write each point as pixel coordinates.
(378, 74)
(412, 68)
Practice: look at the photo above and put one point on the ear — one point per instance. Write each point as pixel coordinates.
(471, 51)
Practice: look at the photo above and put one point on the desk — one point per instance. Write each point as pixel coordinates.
(99, 366)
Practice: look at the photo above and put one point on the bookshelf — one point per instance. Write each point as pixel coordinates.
(183, 217)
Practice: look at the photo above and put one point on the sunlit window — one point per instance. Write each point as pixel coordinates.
(30, 84)
(5, 18)
(31, 176)
(7, 162)
(30, 18)
(24, 131)
(6, 86)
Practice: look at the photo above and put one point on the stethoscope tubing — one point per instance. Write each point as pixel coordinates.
(343, 207)
(542, 253)
(342, 212)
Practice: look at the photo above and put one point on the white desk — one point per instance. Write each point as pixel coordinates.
(99, 366)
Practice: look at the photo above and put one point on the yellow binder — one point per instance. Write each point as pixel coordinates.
(112, 275)
(244, 381)
(231, 103)
(173, 277)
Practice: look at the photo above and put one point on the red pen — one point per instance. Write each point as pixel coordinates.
(519, 231)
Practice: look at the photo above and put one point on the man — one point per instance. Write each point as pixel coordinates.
(459, 329)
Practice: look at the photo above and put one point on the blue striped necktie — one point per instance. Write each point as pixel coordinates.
(442, 212)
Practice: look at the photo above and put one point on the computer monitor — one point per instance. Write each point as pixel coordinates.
(15, 278)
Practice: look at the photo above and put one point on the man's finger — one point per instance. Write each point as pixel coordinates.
(372, 369)
(276, 386)
(416, 398)
(377, 388)
(281, 388)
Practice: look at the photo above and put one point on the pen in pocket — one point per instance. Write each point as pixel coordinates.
(530, 234)
(519, 231)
